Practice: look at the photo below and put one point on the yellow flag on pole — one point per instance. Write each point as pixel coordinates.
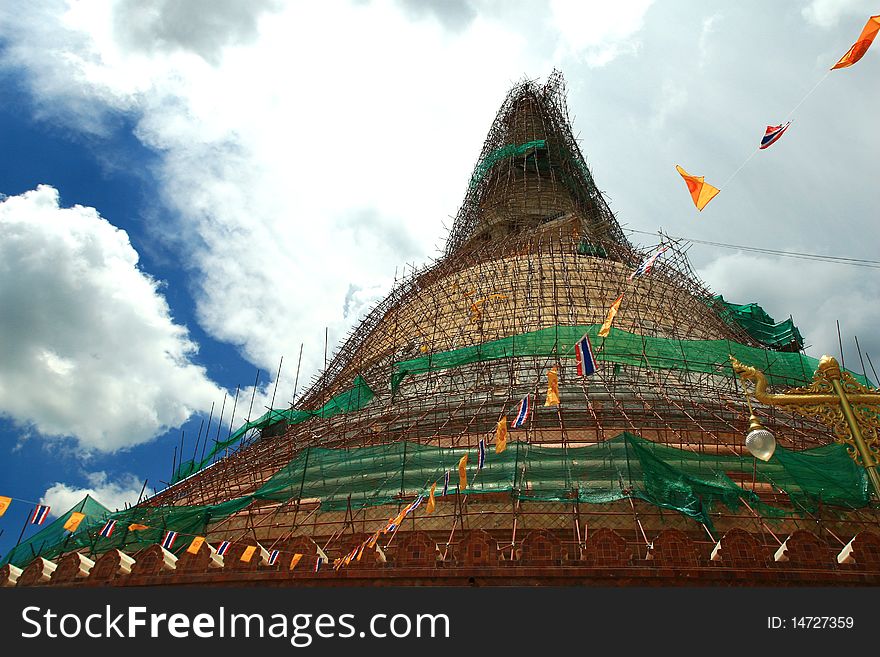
(609, 318)
(701, 191)
(248, 553)
(429, 507)
(552, 387)
(462, 472)
(4, 504)
(195, 545)
(136, 527)
(860, 47)
(295, 560)
(73, 521)
(501, 435)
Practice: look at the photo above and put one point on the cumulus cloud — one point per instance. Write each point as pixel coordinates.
(204, 27)
(113, 494)
(599, 31)
(88, 346)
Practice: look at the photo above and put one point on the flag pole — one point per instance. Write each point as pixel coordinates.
(24, 526)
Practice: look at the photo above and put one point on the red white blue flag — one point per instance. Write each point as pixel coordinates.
(415, 505)
(522, 413)
(223, 547)
(273, 557)
(39, 514)
(318, 563)
(648, 264)
(583, 352)
(772, 135)
(107, 531)
(445, 483)
(168, 541)
(481, 459)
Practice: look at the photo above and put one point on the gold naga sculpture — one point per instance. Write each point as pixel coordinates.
(836, 399)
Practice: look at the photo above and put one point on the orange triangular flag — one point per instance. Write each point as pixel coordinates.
(501, 435)
(860, 47)
(609, 318)
(552, 388)
(248, 553)
(462, 472)
(136, 527)
(295, 560)
(701, 191)
(4, 504)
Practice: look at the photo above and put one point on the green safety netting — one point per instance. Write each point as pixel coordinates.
(626, 466)
(623, 347)
(760, 325)
(351, 400)
(503, 153)
(54, 537)
(620, 347)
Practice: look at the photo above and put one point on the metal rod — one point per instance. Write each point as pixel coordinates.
(296, 379)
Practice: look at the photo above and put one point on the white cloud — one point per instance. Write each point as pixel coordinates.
(298, 171)
(89, 348)
(827, 13)
(599, 31)
(114, 495)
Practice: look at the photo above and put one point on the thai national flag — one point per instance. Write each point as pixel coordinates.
(168, 541)
(415, 505)
(481, 459)
(522, 413)
(445, 484)
(772, 135)
(39, 514)
(648, 264)
(223, 547)
(583, 352)
(108, 529)
(318, 564)
(273, 557)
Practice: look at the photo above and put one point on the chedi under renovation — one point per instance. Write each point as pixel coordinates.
(455, 438)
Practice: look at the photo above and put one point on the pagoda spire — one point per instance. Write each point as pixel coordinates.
(531, 172)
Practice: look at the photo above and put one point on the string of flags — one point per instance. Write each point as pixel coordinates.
(702, 192)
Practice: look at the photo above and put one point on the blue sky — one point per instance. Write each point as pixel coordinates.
(111, 173)
(223, 180)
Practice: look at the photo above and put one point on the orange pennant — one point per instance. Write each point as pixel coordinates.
(860, 47)
(552, 388)
(609, 319)
(701, 191)
(501, 435)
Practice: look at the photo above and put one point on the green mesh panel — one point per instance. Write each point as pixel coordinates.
(502, 154)
(623, 347)
(760, 325)
(53, 537)
(345, 402)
